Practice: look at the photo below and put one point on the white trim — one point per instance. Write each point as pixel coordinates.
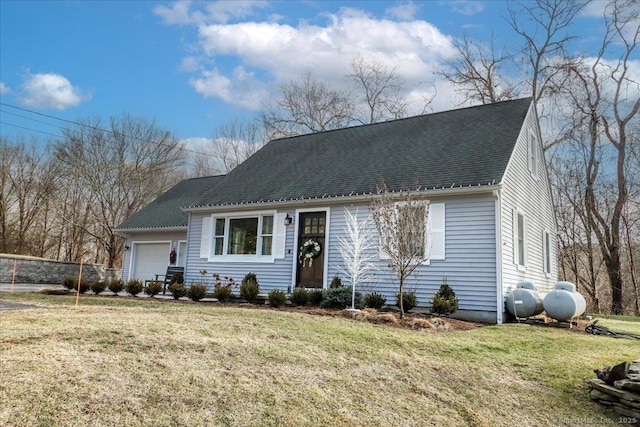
(178, 253)
(325, 270)
(431, 229)
(134, 244)
(547, 253)
(206, 236)
(533, 157)
(239, 258)
(341, 200)
(525, 239)
(499, 272)
(149, 229)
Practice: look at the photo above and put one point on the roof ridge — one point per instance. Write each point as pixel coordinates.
(284, 138)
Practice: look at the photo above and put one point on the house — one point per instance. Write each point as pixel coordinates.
(481, 169)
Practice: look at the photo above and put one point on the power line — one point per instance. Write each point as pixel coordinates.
(32, 119)
(30, 129)
(83, 125)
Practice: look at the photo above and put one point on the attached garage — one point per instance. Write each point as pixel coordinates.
(149, 259)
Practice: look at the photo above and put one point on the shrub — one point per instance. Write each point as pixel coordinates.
(178, 278)
(300, 296)
(177, 290)
(444, 301)
(222, 292)
(197, 291)
(84, 286)
(116, 286)
(98, 286)
(153, 288)
(340, 298)
(134, 287)
(336, 282)
(409, 300)
(375, 300)
(249, 288)
(68, 282)
(276, 298)
(315, 296)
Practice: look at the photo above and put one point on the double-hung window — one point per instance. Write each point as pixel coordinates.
(519, 239)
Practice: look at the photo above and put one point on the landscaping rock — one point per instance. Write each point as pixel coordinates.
(622, 394)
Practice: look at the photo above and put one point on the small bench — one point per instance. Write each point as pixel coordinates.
(168, 277)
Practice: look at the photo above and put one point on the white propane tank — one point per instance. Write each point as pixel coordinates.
(564, 303)
(524, 301)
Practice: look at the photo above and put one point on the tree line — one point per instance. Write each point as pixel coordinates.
(64, 201)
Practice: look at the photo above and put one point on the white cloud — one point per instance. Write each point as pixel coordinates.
(52, 91)
(223, 11)
(465, 7)
(181, 12)
(4, 89)
(280, 52)
(594, 9)
(240, 88)
(404, 11)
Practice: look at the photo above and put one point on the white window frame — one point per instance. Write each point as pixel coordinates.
(547, 251)
(210, 236)
(516, 239)
(532, 154)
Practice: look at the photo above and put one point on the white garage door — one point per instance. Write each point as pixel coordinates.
(150, 259)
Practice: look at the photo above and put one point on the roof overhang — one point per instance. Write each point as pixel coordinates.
(150, 229)
(331, 200)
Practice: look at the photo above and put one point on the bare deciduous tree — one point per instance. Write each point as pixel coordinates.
(604, 112)
(305, 106)
(381, 91)
(401, 221)
(119, 169)
(479, 73)
(545, 46)
(27, 184)
(232, 143)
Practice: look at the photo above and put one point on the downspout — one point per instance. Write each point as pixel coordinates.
(499, 272)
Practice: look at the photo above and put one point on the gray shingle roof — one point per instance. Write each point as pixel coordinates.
(165, 211)
(468, 146)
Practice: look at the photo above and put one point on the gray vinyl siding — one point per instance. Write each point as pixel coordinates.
(275, 275)
(150, 236)
(470, 256)
(533, 197)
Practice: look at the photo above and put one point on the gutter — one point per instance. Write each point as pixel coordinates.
(323, 201)
(149, 229)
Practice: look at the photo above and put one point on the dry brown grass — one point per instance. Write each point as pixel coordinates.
(154, 363)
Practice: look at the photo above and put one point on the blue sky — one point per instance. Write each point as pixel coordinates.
(192, 66)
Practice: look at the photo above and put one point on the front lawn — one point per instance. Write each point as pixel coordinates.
(126, 361)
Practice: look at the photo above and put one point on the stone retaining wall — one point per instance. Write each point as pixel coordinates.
(623, 396)
(46, 271)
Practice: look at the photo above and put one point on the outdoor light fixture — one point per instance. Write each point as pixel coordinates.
(126, 248)
(288, 220)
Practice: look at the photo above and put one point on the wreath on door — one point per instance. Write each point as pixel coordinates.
(308, 251)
